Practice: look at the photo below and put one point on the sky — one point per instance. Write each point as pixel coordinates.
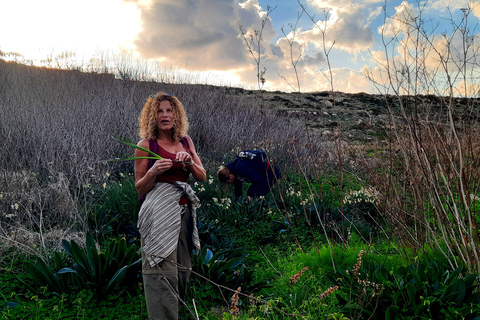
(332, 44)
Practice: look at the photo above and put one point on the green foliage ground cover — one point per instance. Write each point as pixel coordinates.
(282, 265)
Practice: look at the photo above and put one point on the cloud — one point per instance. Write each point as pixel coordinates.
(345, 23)
(336, 4)
(436, 6)
(428, 53)
(205, 35)
(202, 34)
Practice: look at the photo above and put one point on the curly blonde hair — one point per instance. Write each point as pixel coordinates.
(148, 117)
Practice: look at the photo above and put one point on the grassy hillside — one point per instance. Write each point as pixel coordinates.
(377, 185)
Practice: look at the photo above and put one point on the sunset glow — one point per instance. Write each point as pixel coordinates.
(40, 29)
(204, 37)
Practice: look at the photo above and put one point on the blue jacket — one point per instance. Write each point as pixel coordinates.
(256, 173)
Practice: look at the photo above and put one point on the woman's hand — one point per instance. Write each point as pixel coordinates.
(183, 156)
(160, 166)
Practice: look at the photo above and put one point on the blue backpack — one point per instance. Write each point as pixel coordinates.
(255, 155)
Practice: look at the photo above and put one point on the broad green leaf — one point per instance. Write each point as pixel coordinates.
(233, 263)
(461, 292)
(208, 256)
(391, 313)
(79, 256)
(411, 293)
(116, 279)
(90, 242)
(36, 274)
(10, 304)
(59, 264)
(66, 270)
(474, 298)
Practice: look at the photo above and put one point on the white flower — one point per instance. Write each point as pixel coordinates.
(122, 175)
(215, 200)
(107, 174)
(210, 181)
(14, 206)
(104, 185)
(11, 215)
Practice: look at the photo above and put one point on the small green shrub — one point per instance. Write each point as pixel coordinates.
(116, 209)
(422, 291)
(57, 281)
(98, 271)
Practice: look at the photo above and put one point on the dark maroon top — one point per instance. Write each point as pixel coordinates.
(176, 172)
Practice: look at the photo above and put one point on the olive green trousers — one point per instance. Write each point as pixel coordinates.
(166, 282)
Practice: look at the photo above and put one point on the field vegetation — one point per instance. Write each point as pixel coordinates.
(375, 217)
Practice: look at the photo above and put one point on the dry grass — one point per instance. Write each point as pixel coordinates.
(56, 129)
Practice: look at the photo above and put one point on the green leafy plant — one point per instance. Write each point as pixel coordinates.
(247, 213)
(424, 290)
(220, 261)
(57, 281)
(100, 272)
(120, 199)
(100, 222)
(117, 211)
(214, 234)
(221, 267)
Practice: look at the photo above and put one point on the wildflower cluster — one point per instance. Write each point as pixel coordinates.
(368, 195)
(358, 264)
(376, 289)
(297, 194)
(291, 191)
(223, 202)
(252, 300)
(14, 207)
(199, 187)
(328, 292)
(294, 279)
(234, 305)
(365, 286)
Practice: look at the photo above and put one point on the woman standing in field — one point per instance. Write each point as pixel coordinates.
(167, 218)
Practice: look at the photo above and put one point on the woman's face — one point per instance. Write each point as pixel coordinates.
(165, 116)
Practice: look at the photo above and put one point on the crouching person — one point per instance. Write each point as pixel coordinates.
(250, 166)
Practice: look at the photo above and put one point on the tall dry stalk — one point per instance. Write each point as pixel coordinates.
(328, 75)
(432, 184)
(254, 42)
